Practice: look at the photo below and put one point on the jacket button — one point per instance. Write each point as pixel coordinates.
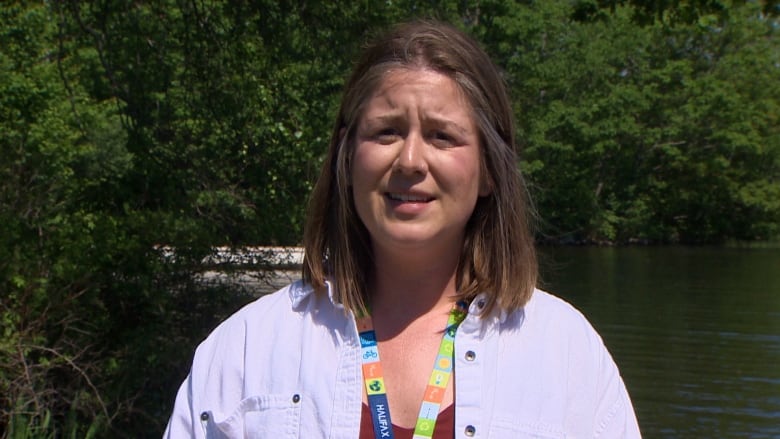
(296, 398)
(470, 355)
(204, 416)
(470, 430)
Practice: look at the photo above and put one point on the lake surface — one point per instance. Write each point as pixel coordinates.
(695, 332)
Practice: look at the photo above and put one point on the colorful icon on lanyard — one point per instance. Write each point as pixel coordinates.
(437, 384)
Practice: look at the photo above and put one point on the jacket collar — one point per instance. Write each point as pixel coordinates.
(300, 291)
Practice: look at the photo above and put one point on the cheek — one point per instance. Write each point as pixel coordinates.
(367, 166)
(358, 172)
(363, 176)
(465, 177)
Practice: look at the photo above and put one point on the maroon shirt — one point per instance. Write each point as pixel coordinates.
(445, 425)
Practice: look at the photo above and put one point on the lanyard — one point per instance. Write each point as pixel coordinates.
(434, 392)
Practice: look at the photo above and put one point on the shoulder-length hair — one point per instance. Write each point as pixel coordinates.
(498, 255)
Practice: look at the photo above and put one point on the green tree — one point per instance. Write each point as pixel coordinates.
(129, 129)
(631, 130)
(57, 146)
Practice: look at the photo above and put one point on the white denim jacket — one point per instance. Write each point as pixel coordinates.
(288, 366)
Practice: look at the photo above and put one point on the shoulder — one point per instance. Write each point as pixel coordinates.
(265, 337)
(264, 310)
(256, 355)
(253, 336)
(561, 333)
(565, 368)
(553, 318)
(544, 305)
(551, 332)
(268, 314)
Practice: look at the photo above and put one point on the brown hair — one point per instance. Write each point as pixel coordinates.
(498, 255)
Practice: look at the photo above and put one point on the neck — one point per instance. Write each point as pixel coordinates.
(407, 288)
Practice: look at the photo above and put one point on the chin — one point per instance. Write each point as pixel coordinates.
(413, 238)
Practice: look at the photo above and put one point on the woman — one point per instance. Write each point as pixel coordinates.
(417, 313)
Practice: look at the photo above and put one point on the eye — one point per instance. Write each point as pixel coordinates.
(442, 139)
(386, 135)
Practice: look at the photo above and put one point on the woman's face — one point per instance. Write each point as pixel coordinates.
(416, 166)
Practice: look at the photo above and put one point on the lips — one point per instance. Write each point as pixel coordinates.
(409, 197)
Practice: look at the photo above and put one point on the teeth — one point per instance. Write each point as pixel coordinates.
(407, 198)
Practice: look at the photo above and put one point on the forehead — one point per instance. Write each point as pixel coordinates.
(436, 91)
(401, 75)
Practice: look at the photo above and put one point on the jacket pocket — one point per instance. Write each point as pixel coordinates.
(505, 428)
(258, 417)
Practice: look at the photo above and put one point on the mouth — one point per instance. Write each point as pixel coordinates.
(408, 198)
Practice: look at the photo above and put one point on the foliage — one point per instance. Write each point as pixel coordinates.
(654, 133)
(129, 128)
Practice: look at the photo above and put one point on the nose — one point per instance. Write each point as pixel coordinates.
(411, 157)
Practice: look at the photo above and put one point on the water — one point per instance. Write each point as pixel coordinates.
(695, 332)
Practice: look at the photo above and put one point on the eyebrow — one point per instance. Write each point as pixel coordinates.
(382, 119)
(394, 118)
(448, 123)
